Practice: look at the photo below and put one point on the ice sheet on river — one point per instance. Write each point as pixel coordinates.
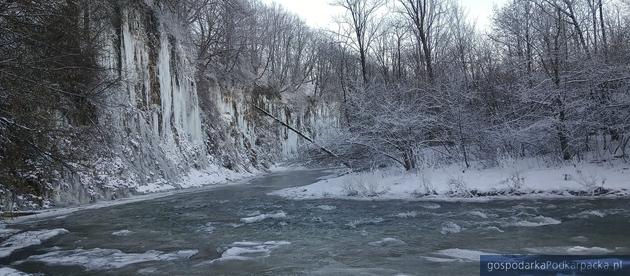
(26, 239)
(103, 259)
(240, 251)
(7, 271)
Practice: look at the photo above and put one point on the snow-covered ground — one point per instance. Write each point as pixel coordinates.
(524, 178)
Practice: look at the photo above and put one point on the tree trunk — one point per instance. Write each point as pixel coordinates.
(409, 160)
(603, 30)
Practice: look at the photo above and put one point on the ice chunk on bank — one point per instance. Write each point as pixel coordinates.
(26, 239)
(103, 259)
(258, 218)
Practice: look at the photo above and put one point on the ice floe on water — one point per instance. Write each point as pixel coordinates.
(478, 214)
(388, 242)
(430, 205)
(456, 255)
(7, 271)
(122, 233)
(254, 213)
(5, 232)
(364, 221)
(326, 207)
(261, 217)
(342, 269)
(103, 259)
(570, 250)
(450, 228)
(579, 239)
(148, 271)
(410, 214)
(26, 239)
(494, 228)
(588, 214)
(208, 228)
(535, 222)
(240, 251)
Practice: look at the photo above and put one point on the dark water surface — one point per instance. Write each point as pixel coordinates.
(315, 237)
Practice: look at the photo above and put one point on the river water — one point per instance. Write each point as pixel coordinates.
(240, 230)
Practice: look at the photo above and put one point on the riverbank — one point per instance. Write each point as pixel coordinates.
(197, 179)
(516, 179)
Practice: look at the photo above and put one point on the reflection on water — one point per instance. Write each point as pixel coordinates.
(239, 230)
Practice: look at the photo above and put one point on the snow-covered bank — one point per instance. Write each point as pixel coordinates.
(195, 179)
(525, 178)
(198, 178)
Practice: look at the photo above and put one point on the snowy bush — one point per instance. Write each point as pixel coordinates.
(365, 185)
(515, 179)
(588, 180)
(426, 185)
(457, 187)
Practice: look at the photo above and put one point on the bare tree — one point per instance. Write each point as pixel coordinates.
(426, 17)
(361, 17)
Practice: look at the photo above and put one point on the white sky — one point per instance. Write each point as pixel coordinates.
(320, 14)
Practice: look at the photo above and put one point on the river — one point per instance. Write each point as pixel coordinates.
(240, 230)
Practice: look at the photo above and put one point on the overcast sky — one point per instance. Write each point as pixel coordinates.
(319, 13)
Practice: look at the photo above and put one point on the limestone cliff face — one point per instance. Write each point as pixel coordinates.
(162, 122)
